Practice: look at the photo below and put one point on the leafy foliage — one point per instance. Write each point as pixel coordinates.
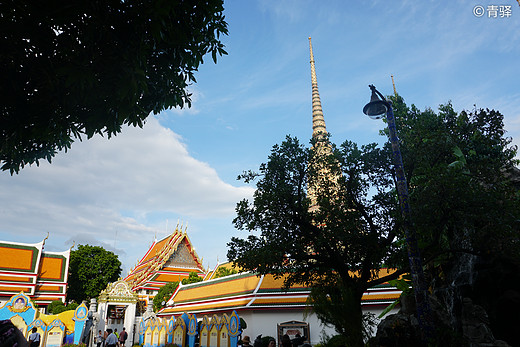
(224, 271)
(193, 277)
(460, 169)
(91, 268)
(80, 68)
(338, 247)
(57, 306)
(163, 295)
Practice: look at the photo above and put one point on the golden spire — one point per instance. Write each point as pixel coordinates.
(321, 142)
(393, 84)
(318, 122)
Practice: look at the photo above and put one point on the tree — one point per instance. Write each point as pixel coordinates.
(79, 68)
(461, 192)
(193, 277)
(224, 271)
(91, 268)
(465, 198)
(57, 306)
(342, 244)
(163, 295)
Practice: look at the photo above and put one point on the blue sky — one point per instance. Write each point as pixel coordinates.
(123, 192)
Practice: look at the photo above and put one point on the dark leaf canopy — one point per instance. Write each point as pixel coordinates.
(349, 235)
(78, 68)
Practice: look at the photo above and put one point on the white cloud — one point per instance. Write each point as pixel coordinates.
(114, 192)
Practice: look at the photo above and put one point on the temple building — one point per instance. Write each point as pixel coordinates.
(170, 259)
(27, 268)
(264, 306)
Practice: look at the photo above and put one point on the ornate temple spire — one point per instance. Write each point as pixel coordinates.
(318, 122)
(321, 144)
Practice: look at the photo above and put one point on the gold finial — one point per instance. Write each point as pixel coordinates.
(73, 244)
(393, 83)
(46, 237)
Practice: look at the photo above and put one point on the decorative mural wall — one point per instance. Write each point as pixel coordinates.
(184, 331)
(55, 330)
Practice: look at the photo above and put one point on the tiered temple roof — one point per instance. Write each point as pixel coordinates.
(168, 260)
(247, 291)
(27, 268)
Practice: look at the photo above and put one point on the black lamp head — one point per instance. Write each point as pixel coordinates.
(376, 108)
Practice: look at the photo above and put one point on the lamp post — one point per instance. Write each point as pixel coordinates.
(376, 109)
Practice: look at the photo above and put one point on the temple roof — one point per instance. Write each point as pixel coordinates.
(248, 290)
(25, 267)
(167, 260)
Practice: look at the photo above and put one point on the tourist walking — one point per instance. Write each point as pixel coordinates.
(99, 339)
(34, 338)
(122, 337)
(111, 340)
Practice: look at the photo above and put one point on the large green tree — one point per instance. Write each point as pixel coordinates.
(465, 198)
(342, 244)
(72, 69)
(91, 268)
(460, 168)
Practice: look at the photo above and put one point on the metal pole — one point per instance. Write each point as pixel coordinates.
(424, 313)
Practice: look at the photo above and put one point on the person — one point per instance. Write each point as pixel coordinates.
(11, 335)
(258, 341)
(116, 333)
(105, 335)
(99, 339)
(298, 340)
(111, 340)
(122, 337)
(246, 341)
(286, 341)
(272, 343)
(34, 338)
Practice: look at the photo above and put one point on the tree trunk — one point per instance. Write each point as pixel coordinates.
(353, 319)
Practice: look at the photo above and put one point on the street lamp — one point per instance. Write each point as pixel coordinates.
(376, 109)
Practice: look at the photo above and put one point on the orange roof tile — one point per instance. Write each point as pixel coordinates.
(19, 257)
(19, 279)
(16, 289)
(227, 286)
(201, 306)
(52, 267)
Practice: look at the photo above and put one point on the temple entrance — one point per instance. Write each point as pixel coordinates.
(117, 306)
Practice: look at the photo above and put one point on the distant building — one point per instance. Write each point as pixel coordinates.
(170, 259)
(27, 268)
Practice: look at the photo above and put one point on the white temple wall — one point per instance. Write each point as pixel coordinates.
(265, 322)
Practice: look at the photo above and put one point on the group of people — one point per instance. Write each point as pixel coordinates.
(111, 338)
(285, 342)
